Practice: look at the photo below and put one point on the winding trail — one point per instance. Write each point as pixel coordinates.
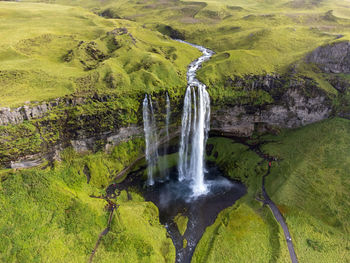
(267, 200)
(276, 212)
(111, 207)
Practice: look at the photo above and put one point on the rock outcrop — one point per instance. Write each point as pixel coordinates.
(35, 110)
(333, 58)
(297, 111)
(297, 101)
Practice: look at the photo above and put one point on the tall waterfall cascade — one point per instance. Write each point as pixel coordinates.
(166, 144)
(194, 130)
(167, 118)
(195, 126)
(151, 137)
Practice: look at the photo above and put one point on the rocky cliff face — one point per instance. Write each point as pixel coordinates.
(297, 111)
(35, 111)
(334, 58)
(297, 101)
(29, 134)
(32, 133)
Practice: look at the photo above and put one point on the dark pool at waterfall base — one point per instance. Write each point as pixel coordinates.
(173, 197)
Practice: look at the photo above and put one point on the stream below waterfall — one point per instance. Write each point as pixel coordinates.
(173, 197)
(192, 189)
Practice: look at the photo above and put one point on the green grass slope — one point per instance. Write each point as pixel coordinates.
(247, 231)
(242, 234)
(48, 51)
(249, 37)
(310, 184)
(49, 216)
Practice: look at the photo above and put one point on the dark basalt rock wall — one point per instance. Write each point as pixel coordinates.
(86, 124)
(34, 132)
(297, 111)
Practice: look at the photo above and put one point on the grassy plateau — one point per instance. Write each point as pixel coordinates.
(48, 51)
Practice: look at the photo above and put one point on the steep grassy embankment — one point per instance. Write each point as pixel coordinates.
(48, 216)
(245, 232)
(310, 185)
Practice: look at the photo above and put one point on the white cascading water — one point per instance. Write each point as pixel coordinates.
(167, 121)
(195, 126)
(151, 138)
(167, 118)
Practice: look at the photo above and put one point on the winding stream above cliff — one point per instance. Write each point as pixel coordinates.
(195, 126)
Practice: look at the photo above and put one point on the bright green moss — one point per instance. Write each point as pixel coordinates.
(181, 222)
(239, 234)
(311, 185)
(235, 159)
(16, 139)
(48, 215)
(308, 184)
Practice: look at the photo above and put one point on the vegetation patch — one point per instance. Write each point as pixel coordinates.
(181, 222)
(48, 215)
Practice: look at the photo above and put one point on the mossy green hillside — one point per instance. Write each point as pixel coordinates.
(247, 231)
(235, 159)
(101, 167)
(309, 184)
(55, 50)
(242, 234)
(130, 244)
(48, 215)
(249, 37)
(16, 139)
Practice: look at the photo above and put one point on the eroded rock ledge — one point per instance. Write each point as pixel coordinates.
(296, 103)
(333, 58)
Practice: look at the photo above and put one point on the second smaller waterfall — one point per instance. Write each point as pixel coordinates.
(151, 138)
(166, 144)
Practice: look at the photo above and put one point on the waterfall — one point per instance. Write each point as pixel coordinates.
(167, 118)
(195, 127)
(185, 135)
(151, 138)
(166, 144)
